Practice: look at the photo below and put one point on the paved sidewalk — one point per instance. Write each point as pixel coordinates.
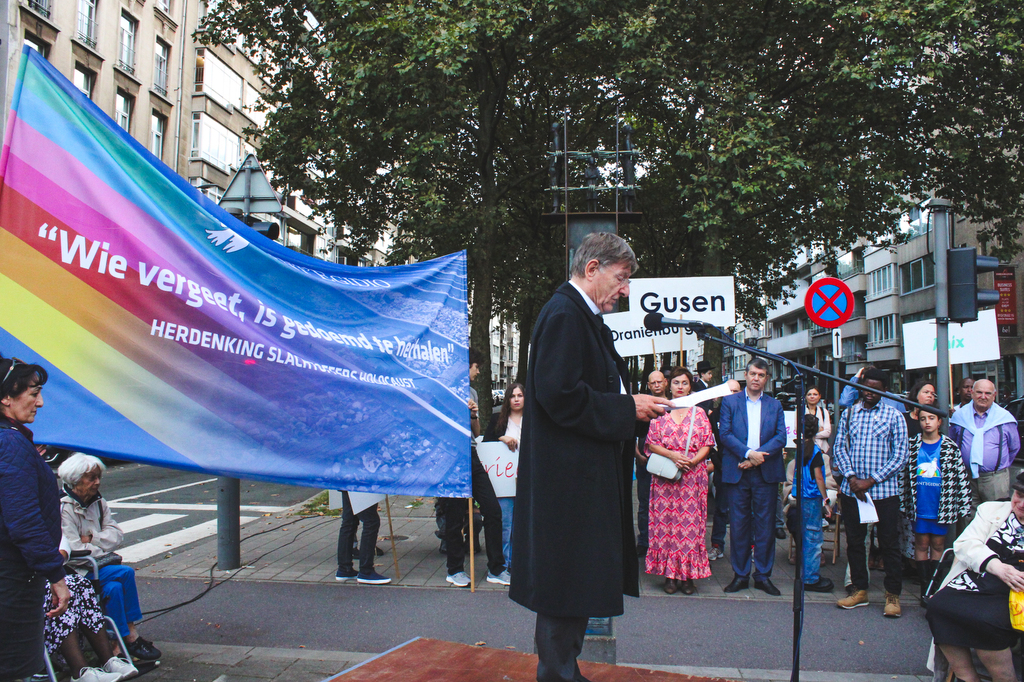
(220, 663)
(292, 548)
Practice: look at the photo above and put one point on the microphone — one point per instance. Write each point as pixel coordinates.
(657, 322)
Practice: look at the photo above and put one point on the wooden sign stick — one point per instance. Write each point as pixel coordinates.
(391, 531)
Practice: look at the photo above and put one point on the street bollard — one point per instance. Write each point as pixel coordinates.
(229, 553)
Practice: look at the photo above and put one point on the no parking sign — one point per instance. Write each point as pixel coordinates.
(829, 302)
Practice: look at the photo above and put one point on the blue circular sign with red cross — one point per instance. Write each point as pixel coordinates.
(829, 302)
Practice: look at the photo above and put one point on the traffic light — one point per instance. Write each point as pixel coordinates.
(270, 230)
(963, 267)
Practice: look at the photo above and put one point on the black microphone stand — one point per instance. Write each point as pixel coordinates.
(701, 329)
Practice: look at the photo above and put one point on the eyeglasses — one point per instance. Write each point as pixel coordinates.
(622, 279)
(14, 361)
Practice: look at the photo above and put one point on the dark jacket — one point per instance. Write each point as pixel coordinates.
(954, 488)
(732, 427)
(573, 536)
(29, 505)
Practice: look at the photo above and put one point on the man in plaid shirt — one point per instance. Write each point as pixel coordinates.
(870, 453)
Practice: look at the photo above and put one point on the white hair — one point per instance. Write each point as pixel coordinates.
(78, 465)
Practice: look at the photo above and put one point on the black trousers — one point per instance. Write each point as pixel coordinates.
(888, 529)
(643, 503)
(559, 643)
(370, 519)
(456, 510)
(21, 620)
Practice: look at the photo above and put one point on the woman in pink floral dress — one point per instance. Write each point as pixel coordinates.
(679, 509)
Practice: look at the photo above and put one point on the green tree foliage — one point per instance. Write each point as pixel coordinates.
(766, 128)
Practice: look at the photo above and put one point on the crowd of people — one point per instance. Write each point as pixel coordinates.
(49, 606)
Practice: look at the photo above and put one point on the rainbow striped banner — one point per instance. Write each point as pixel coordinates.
(175, 335)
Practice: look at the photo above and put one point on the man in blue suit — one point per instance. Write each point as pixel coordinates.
(753, 432)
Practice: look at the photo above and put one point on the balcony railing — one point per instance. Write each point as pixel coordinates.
(844, 270)
(40, 7)
(87, 29)
(126, 58)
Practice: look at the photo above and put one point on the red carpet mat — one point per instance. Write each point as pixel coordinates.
(432, 660)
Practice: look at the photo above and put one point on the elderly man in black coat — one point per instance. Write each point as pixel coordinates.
(574, 527)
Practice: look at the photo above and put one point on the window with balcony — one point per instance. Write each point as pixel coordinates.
(917, 222)
(157, 133)
(84, 80)
(123, 104)
(41, 7)
(213, 142)
(917, 274)
(882, 330)
(38, 45)
(126, 43)
(850, 264)
(251, 104)
(216, 79)
(161, 59)
(87, 22)
(854, 350)
(881, 282)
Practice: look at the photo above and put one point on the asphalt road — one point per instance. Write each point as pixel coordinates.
(154, 504)
(691, 632)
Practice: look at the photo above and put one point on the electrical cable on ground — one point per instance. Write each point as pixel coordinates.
(212, 584)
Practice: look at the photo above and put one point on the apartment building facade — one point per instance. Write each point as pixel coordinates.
(892, 286)
(195, 107)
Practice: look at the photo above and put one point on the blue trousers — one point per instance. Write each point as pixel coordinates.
(752, 520)
(812, 539)
(118, 584)
(507, 505)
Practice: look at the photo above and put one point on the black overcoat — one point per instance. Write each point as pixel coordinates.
(573, 533)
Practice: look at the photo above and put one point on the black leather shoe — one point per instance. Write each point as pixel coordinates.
(737, 584)
(767, 587)
(823, 585)
(780, 533)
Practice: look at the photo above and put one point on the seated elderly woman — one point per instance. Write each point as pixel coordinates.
(971, 610)
(83, 618)
(88, 525)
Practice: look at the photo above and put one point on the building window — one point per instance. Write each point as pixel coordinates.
(158, 129)
(881, 281)
(882, 330)
(213, 142)
(126, 46)
(84, 80)
(160, 62)
(87, 22)
(40, 7)
(123, 103)
(38, 45)
(917, 274)
(850, 264)
(216, 79)
(164, 6)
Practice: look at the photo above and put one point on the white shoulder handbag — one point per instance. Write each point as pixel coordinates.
(660, 465)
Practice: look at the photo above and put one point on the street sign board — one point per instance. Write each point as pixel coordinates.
(252, 181)
(837, 343)
(829, 302)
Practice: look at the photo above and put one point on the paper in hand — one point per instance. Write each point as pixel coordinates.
(866, 510)
(707, 394)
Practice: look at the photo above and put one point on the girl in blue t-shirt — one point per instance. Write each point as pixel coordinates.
(936, 493)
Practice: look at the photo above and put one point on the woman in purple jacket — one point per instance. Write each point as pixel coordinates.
(29, 525)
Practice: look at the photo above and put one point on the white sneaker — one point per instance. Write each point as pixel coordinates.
(503, 578)
(459, 579)
(122, 667)
(96, 675)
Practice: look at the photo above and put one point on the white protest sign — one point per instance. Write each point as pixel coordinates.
(969, 342)
(719, 391)
(706, 299)
(790, 418)
(360, 501)
(501, 465)
(631, 338)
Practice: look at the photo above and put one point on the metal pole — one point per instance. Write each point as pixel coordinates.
(798, 493)
(229, 553)
(941, 209)
(5, 65)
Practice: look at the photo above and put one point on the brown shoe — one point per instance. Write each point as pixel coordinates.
(671, 586)
(858, 598)
(892, 605)
(688, 587)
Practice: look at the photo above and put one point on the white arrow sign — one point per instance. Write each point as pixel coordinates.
(837, 343)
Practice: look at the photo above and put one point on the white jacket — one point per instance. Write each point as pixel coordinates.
(95, 520)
